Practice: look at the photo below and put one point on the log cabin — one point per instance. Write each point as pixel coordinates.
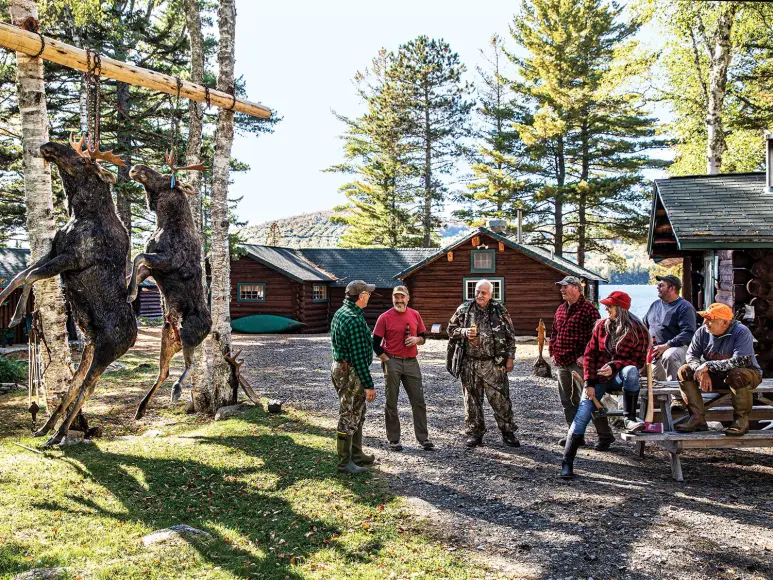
(721, 227)
(14, 260)
(308, 284)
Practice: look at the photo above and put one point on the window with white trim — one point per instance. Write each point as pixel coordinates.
(319, 293)
(483, 261)
(251, 292)
(498, 288)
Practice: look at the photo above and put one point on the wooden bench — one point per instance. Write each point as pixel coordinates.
(674, 442)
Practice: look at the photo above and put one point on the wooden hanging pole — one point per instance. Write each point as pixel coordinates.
(35, 45)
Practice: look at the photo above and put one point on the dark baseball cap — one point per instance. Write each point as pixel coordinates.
(357, 287)
(671, 279)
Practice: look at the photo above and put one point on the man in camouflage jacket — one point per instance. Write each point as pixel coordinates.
(489, 341)
(350, 371)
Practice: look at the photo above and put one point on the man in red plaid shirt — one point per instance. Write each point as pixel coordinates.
(572, 327)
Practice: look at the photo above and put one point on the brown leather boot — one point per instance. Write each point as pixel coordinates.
(742, 406)
(697, 420)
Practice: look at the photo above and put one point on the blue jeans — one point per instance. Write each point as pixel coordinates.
(628, 379)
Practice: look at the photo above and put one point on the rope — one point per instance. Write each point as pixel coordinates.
(92, 80)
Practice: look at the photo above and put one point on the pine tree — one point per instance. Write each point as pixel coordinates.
(432, 99)
(501, 163)
(381, 197)
(590, 127)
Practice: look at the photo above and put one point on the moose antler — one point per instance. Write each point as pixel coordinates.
(237, 366)
(169, 157)
(95, 154)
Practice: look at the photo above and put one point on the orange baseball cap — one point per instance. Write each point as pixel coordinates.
(717, 311)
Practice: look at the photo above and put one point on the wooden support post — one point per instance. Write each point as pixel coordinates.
(18, 39)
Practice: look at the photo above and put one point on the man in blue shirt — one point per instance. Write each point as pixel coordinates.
(671, 321)
(720, 358)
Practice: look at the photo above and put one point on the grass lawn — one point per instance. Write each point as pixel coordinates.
(263, 486)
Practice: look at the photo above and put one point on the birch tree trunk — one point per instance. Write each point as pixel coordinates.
(223, 390)
(200, 372)
(40, 210)
(719, 60)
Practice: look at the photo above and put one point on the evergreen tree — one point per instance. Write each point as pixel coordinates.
(589, 127)
(432, 100)
(501, 163)
(381, 197)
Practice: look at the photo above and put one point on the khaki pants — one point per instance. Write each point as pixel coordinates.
(407, 371)
(667, 366)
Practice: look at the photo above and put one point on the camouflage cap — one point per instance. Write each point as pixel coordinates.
(401, 290)
(573, 280)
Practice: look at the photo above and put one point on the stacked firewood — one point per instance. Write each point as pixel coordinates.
(753, 278)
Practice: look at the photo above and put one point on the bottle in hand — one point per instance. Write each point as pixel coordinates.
(407, 333)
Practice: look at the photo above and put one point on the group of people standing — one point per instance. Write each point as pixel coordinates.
(592, 356)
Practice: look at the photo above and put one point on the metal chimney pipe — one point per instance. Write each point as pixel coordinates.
(520, 224)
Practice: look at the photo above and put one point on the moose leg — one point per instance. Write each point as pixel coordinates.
(84, 391)
(83, 366)
(18, 280)
(177, 388)
(48, 270)
(150, 261)
(169, 347)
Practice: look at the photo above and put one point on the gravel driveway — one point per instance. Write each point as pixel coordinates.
(623, 517)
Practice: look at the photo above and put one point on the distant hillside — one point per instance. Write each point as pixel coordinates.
(315, 230)
(308, 230)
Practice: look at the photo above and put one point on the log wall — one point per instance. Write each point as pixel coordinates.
(530, 290)
(282, 293)
(377, 305)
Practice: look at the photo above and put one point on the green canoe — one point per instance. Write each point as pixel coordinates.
(265, 324)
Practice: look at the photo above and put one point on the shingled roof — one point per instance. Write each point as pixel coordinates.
(374, 265)
(289, 262)
(12, 261)
(731, 210)
(540, 254)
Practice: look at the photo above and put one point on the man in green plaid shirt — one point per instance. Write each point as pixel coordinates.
(352, 355)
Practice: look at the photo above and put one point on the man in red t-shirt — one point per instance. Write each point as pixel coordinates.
(395, 337)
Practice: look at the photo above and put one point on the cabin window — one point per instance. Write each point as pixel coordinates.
(251, 292)
(498, 283)
(483, 261)
(319, 293)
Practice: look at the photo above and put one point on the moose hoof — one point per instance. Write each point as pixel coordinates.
(139, 414)
(131, 298)
(177, 392)
(42, 432)
(55, 440)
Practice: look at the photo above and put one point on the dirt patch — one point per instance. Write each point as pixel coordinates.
(624, 517)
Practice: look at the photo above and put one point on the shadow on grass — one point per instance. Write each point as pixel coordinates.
(240, 501)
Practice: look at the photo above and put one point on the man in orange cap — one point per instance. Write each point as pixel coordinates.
(720, 358)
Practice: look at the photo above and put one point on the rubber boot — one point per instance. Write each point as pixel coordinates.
(358, 457)
(345, 463)
(630, 402)
(697, 420)
(742, 406)
(570, 452)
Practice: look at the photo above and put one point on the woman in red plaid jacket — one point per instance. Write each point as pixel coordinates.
(613, 357)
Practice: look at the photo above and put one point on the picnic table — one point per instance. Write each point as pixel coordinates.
(718, 408)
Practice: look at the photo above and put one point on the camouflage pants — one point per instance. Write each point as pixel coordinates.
(351, 395)
(482, 376)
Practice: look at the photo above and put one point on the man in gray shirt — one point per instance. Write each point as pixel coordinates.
(720, 359)
(671, 322)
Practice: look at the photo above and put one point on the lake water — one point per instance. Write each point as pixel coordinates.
(642, 295)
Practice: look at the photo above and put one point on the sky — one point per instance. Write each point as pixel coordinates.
(299, 58)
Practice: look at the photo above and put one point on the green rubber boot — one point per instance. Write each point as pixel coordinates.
(345, 464)
(697, 420)
(742, 406)
(358, 457)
